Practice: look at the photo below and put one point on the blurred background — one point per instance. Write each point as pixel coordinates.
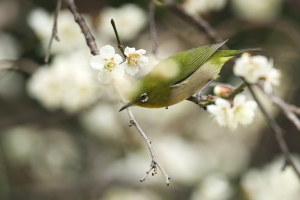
(62, 137)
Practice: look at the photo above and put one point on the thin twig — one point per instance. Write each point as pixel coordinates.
(278, 133)
(152, 27)
(54, 30)
(90, 40)
(154, 163)
(112, 21)
(199, 23)
(285, 107)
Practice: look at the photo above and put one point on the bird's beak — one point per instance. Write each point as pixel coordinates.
(126, 106)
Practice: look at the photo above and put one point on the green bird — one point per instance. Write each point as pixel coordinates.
(180, 76)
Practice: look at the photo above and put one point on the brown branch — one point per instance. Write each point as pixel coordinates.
(278, 133)
(199, 23)
(152, 27)
(90, 40)
(287, 109)
(23, 65)
(54, 30)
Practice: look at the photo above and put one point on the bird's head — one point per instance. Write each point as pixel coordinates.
(138, 99)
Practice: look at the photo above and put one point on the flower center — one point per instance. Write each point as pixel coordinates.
(109, 64)
(133, 59)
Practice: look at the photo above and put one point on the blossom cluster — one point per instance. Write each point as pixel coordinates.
(110, 64)
(257, 68)
(67, 83)
(230, 115)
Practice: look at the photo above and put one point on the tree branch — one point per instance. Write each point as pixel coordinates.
(54, 30)
(278, 133)
(90, 40)
(198, 23)
(288, 109)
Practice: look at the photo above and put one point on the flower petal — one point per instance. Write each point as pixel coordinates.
(118, 59)
(107, 52)
(132, 70)
(104, 77)
(97, 62)
(129, 50)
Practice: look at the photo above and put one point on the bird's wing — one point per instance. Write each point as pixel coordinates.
(191, 60)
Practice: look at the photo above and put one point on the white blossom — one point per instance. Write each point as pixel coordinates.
(241, 111)
(67, 83)
(271, 182)
(203, 6)
(68, 31)
(257, 10)
(256, 68)
(108, 64)
(272, 77)
(134, 60)
(251, 68)
(222, 112)
(129, 19)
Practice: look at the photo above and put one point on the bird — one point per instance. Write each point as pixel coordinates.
(180, 76)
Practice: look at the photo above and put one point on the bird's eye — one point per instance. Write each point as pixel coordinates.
(144, 97)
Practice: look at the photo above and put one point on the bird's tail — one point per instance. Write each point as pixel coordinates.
(241, 51)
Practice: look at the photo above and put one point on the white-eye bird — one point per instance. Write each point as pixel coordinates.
(180, 76)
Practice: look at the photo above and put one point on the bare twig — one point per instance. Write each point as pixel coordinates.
(288, 109)
(199, 23)
(54, 30)
(154, 163)
(90, 40)
(152, 27)
(278, 133)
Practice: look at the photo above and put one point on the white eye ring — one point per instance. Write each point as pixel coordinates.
(144, 97)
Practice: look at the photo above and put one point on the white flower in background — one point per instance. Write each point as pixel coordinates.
(134, 60)
(203, 6)
(108, 63)
(67, 83)
(252, 68)
(241, 111)
(47, 85)
(272, 77)
(129, 19)
(271, 182)
(260, 10)
(213, 187)
(68, 31)
(256, 68)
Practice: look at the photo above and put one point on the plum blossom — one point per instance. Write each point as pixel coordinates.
(67, 83)
(256, 68)
(240, 112)
(108, 64)
(134, 60)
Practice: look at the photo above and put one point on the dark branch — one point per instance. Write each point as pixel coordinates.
(199, 23)
(278, 133)
(90, 40)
